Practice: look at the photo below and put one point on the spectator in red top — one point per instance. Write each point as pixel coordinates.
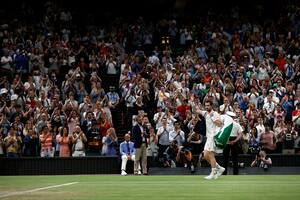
(280, 62)
(83, 65)
(104, 125)
(182, 109)
(46, 143)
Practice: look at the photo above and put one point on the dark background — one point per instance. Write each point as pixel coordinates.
(99, 11)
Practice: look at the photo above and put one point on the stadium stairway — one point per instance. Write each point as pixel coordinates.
(119, 112)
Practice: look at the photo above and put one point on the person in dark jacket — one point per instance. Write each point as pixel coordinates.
(140, 135)
(30, 145)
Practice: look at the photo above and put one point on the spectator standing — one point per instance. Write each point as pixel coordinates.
(64, 140)
(30, 144)
(110, 141)
(46, 138)
(232, 146)
(139, 133)
(78, 141)
(12, 144)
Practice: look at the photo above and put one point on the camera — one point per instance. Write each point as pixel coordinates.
(288, 136)
(266, 167)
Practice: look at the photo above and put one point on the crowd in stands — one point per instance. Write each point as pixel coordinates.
(54, 103)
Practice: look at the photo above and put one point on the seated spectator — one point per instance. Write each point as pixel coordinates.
(262, 160)
(127, 152)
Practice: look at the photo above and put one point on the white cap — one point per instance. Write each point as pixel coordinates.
(231, 114)
(3, 91)
(14, 97)
(295, 57)
(26, 85)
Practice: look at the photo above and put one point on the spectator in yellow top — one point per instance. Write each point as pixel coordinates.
(12, 144)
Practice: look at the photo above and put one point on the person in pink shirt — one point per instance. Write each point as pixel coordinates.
(268, 140)
(64, 141)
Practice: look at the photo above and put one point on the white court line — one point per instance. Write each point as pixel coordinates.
(36, 190)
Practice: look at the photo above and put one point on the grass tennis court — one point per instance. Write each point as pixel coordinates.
(115, 187)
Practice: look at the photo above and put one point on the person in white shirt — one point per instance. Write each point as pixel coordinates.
(127, 152)
(269, 108)
(253, 96)
(6, 62)
(232, 145)
(260, 127)
(158, 117)
(273, 97)
(111, 65)
(177, 134)
(71, 100)
(130, 100)
(213, 124)
(153, 59)
(163, 134)
(226, 106)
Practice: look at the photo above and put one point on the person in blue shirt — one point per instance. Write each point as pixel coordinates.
(127, 152)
